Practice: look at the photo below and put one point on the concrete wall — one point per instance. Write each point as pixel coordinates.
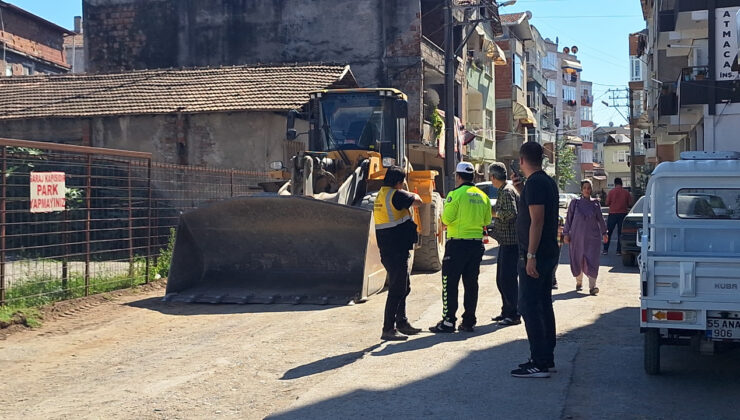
(379, 39)
(720, 132)
(241, 140)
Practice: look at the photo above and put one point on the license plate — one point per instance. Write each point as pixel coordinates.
(723, 329)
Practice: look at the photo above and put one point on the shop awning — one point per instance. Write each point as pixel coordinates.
(571, 66)
(524, 115)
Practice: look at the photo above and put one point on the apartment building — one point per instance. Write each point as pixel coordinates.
(690, 82)
(514, 118)
(29, 44)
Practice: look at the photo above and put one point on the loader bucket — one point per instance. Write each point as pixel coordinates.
(275, 249)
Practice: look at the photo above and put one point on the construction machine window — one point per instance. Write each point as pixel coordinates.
(702, 203)
(353, 122)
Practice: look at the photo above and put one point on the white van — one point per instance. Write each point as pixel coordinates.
(690, 254)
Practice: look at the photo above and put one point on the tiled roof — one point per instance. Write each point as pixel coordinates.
(512, 17)
(222, 89)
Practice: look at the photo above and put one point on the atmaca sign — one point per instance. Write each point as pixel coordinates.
(48, 192)
(725, 37)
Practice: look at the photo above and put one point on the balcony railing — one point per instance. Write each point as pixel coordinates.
(695, 73)
(587, 100)
(570, 102)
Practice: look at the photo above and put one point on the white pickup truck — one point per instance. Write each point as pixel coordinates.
(690, 254)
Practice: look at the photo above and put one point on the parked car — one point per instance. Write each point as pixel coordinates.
(690, 258)
(564, 200)
(492, 193)
(630, 227)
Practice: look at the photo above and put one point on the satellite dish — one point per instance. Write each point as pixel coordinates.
(566, 50)
(574, 49)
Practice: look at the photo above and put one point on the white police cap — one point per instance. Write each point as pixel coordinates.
(465, 168)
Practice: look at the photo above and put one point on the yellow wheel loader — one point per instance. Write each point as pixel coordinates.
(313, 241)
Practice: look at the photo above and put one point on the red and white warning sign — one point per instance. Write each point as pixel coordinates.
(48, 192)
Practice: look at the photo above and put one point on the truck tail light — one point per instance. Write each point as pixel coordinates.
(664, 315)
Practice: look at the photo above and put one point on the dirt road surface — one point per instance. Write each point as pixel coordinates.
(137, 357)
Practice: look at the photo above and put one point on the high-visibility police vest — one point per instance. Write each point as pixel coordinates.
(386, 216)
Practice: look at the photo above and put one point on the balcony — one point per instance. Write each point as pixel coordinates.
(668, 101)
(693, 86)
(535, 75)
(587, 100)
(570, 102)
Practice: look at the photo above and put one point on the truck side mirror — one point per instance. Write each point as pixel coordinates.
(291, 133)
(401, 108)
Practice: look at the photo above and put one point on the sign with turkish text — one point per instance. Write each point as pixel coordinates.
(725, 39)
(48, 192)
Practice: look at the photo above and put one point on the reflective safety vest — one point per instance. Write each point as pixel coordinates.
(386, 216)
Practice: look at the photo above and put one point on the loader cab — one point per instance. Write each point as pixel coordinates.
(359, 119)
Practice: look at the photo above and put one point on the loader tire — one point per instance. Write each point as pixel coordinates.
(429, 255)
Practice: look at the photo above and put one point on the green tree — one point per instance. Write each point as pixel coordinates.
(564, 160)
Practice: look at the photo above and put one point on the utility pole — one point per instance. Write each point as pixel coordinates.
(633, 183)
(451, 69)
(450, 156)
(631, 121)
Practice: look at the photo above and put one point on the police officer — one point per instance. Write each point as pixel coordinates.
(396, 234)
(466, 213)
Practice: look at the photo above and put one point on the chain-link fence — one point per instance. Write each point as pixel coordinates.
(78, 220)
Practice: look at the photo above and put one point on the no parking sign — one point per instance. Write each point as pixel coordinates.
(48, 192)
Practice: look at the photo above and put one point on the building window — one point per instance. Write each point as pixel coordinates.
(552, 88)
(587, 113)
(587, 156)
(550, 61)
(489, 125)
(27, 70)
(569, 93)
(635, 69)
(8, 69)
(518, 71)
(586, 134)
(620, 157)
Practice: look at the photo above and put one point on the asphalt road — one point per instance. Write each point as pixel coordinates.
(136, 357)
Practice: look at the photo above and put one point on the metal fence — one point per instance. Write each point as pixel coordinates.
(76, 220)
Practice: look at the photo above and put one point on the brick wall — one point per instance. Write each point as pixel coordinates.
(33, 38)
(126, 35)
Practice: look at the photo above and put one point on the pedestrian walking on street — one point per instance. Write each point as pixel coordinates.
(585, 232)
(467, 212)
(537, 234)
(504, 232)
(619, 202)
(396, 234)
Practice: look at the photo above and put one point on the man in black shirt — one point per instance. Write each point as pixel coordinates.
(396, 234)
(537, 234)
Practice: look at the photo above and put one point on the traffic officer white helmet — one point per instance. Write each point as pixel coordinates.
(465, 168)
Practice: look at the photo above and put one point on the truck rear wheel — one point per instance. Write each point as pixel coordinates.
(652, 351)
(429, 255)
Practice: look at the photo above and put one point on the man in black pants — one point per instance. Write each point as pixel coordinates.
(467, 211)
(504, 232)
(396, 234)
(537, 231)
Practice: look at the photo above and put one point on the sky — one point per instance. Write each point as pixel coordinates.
(600, 29)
